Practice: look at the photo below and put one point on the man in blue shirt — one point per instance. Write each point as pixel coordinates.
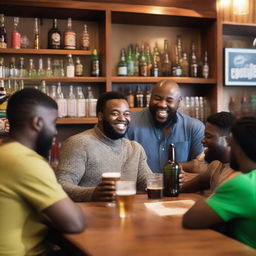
(161, 124)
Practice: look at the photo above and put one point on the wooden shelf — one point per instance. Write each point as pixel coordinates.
(84, 79)
(239, 29)
(44, 51)
(86, 120)
(77, 120)
(182, 80)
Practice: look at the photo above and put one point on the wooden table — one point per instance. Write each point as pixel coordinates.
(147, 233)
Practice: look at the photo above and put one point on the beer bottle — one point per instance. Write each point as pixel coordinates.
(184, 64)
(149, 61)
(143, 66)
(69, 37)
(136, 56)
(130, 98)
(156, 62)
(130, 62)
(171, 174)
(139, 98)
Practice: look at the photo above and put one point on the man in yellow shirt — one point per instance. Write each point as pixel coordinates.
(29, 193)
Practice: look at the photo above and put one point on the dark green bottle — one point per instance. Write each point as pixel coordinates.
(171, 174)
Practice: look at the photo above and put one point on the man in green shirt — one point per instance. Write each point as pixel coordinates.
(234, 202)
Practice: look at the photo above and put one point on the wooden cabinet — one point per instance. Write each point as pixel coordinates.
(113, 26)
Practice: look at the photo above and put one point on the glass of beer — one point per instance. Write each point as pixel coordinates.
(155, 186)
(111, 176)
(125, 193)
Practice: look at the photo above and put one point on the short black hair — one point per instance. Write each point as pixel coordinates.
(101, 103)
(244, 133)
(21, 106)
(223, 120)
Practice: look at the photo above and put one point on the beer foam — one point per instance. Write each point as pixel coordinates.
(125, 192)
(111, 175)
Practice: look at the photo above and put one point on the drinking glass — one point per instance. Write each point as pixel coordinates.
(111, 176)
(155, 186)
(125, 193)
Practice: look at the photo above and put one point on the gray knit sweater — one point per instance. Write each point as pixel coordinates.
(85, 156)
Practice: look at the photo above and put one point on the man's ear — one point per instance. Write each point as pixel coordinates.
(100, 116)
(37, 123)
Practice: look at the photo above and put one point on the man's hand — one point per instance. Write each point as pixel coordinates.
(105, 192)
(181, 177)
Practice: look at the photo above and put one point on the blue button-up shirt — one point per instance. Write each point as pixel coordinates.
(186, 134)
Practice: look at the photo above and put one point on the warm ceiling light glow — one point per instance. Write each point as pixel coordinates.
(240, 7)
(224, 3)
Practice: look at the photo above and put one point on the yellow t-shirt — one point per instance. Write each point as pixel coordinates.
(27, 186)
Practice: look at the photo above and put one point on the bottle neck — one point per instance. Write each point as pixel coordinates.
(171, 153)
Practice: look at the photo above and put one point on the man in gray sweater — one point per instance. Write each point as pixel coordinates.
(85, 156)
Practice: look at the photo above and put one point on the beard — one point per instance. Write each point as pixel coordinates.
(110, 132)
(43, 143)
(171, 119)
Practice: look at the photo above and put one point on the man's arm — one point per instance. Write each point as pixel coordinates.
(66, 216)
(200, 215)
(199, 183)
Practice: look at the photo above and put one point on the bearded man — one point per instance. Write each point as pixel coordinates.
(85, 156)
(156, 127)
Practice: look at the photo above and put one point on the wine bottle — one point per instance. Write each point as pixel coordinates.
(171, 174)
(69, 37)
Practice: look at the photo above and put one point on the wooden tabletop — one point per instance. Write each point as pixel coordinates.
(147, 233)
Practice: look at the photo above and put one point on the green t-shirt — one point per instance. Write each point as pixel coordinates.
(27, 186)
(235, 203)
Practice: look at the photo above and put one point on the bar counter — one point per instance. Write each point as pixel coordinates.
(147, 233)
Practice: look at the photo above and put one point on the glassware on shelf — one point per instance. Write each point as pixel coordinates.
(122, 64)
(78, 67)
(31, 70)
(24, 42)
(53, 92)
(22, 69)
(56, 68)
(40, 71)
(205, 68)
(43, 88)
(61, 101)
(166, 62)
(48, 72)
(81, 103)
(13, 70)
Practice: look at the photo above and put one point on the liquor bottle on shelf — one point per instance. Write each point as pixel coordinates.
(15, 37)
(185, 64)
(143, 66)
(147, 97)
(40, 71)
(166, 62)
(149, 61)
(2, 68)
(78, 67)
(70, 68)
(13, 71)
(130, 62)
(95, 64)
(21, 85)
(139, 98)
(136, 56)
(91, 103)
(205, 68)
(36, 35)
(56, 68)
(81, 103)
(43, 88)
(53, 92)
(3, 34)
(85, 39)
(62, 70)
(54, 36)
(171, 174)
(72, 103)
(31, 70)
(130, 98)
(49, 72)
(22, 69)
(156, 62)
(69, 37)
(122, 64)
(194, 64)
(3, 97)
(179, 48)
(177, 70)
(61, 101)
(234, 106)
